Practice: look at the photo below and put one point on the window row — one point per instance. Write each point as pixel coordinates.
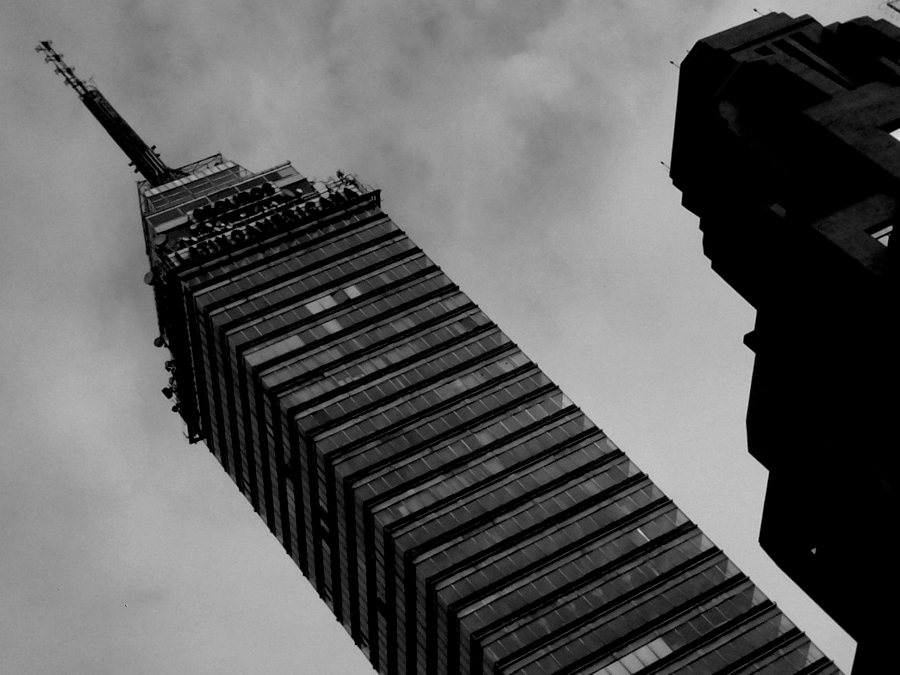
(577, 525)
(351, 317)
(583, 564)
(615, 625)
(387, 450)
(404, 384)
(786, 660)
(543, 504)
(282, 267)
(386, 332)
(633, 616)
(396, 411)
(392, 355)
(260, 305)
(751, 637)
(482, 467)
(297, 313)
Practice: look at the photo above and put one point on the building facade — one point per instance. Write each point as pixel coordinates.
(786, 146)
(455, 510)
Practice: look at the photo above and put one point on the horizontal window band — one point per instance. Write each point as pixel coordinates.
(258, 371)
(519, 542)
(326, 370)
(758, 660)
(607, 497)
(325, 430)
(680, 573)
(497, 515)
(394, 369)
(619, 528)
(280, 251)
(299, 299)
(281, 280)
(336, 458)
(386, 291)
(722, 635)
(666, 581)
(299, 274)
(499, 477)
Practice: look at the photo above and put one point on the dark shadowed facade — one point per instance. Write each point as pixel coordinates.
(786, 147)
(455, 510)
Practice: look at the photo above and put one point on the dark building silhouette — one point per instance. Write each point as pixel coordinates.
(786, 146)
(455, 510)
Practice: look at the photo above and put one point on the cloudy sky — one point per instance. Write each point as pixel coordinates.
(517, 141)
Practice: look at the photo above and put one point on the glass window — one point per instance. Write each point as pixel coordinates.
(645, 655)
(659, 647)
(332, 326)
(616, 669)
(632, 663)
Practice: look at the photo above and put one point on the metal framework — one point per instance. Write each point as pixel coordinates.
(143, 157)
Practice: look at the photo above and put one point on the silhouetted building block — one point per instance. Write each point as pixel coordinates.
(786, 146)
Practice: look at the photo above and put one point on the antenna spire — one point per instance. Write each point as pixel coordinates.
(144, 159)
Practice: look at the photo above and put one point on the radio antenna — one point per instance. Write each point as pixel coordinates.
(144, 158)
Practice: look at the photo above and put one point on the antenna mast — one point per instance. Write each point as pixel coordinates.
(144, 158)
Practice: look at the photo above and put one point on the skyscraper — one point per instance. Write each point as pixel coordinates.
(786, 146)
(457, 512)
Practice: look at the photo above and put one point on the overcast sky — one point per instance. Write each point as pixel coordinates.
(518, 142)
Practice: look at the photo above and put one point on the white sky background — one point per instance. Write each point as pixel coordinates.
(518, 142)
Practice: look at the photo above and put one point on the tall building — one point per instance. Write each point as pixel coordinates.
(786, 146)
(455, 510)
